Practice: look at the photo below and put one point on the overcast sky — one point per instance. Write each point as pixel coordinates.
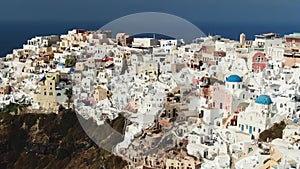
(192, 10)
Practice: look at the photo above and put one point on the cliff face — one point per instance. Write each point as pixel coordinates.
(50, 141)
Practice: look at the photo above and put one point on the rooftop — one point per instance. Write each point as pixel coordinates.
(234, 78)
(264, 99)
(293, 35)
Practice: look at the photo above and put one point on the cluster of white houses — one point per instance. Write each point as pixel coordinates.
(212, 98)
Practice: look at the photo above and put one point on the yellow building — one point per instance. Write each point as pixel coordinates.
(80, 66)
(64, 44)
(150, 69)
(47, 95)
(101, 93)
(38, 63)
(275, 159)
(124, 39)
(4, 90)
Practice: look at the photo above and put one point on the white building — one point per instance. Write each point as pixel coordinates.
(257, 116)
(145, 42)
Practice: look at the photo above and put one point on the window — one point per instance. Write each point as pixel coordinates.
(51, 93)
(259, 59)
(45, 93)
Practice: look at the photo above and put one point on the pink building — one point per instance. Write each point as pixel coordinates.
(259, 62)
(221, 98)
(228, 97)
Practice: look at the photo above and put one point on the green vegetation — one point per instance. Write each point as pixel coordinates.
(274, 132)
(69, 94)
(13, 108)
(9, 108)
(70, 61)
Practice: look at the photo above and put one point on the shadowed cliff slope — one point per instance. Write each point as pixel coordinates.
(50, 141)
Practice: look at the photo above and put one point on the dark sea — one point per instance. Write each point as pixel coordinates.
(14, 34)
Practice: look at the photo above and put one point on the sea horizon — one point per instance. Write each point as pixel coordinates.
(15, 33)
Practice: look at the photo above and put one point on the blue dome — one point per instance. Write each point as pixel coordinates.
(264, 99)
(72, 70)
(234, 78)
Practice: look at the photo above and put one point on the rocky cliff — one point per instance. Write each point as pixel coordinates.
(50, 141)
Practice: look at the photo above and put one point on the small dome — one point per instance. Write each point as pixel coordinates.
(234, 78)
(72, 70)
(264, 99)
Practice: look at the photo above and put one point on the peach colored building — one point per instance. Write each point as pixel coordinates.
(229, 97)
(4, 90)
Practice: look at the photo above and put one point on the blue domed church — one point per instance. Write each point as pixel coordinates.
(263, 100)
(227, 98)
(258, 116)
(234, 82)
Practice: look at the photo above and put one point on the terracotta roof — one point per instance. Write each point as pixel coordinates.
(164, 123)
